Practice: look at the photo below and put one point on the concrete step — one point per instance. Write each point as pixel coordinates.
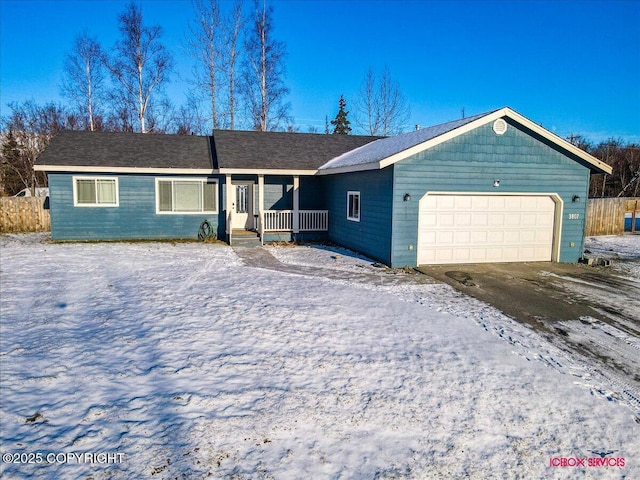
(243, 238)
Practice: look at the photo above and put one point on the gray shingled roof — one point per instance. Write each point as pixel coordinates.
(115, 149)
(386, 147)
(281, 150)
(234, 149)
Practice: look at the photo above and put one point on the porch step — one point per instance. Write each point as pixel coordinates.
(245, 238)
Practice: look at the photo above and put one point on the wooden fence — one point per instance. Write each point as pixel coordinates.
(23, 214)
(605, 216)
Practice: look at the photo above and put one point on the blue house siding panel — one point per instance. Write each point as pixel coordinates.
(470, 163)
(134, 218)
(312, 194)
(278, 193)
(372, 234)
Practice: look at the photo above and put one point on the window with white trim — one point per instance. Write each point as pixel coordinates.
(353, 206)
(95, 191)
(186, 195)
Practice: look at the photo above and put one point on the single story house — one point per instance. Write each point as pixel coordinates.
(494, 187)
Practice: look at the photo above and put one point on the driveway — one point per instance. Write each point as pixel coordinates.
(589, 311)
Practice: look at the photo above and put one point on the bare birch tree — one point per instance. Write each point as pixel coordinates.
(232, 31)
(204, 44)
(263, 72)
(142, 64)
(380, 107)
(84, 77)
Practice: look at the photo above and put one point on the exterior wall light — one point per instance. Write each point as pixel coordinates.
(407, 197)
(496, 183)
(575, 198)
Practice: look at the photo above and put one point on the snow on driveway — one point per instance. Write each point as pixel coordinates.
(191, 365)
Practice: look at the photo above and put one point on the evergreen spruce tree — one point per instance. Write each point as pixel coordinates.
(11, 176)
(341, 122)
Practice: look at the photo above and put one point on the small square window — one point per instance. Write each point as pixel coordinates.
(353, 206)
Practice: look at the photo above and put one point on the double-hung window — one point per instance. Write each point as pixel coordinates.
(353, 206)
(95, 191)
(182, 195)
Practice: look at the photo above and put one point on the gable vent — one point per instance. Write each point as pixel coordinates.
(500, 126)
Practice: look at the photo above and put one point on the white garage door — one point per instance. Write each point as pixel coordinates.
(485, 228)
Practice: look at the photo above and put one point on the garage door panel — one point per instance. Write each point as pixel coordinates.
(446, 219)
(479, 202)
(495, 237)
(462, 237)
(544, 220)
(478, 237)
(529, 219)
(429, 220)
(485, 228)
(497, 203)
(480, 219)
(463, 203)
(462, 220)
(496, 220)
(514, 236)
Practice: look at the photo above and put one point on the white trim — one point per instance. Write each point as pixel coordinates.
(229, 194)
(557, 140)
(173, 171)
(351, 168)
(265, 171)
(260, 193)
(201, 180)
(354, 193)
(557, 217)
(114, 170)
(296, 204)
(94, 178)
(500, 126)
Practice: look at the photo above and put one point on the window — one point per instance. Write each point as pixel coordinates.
(187, 195)
(353, 206)
(95, 191)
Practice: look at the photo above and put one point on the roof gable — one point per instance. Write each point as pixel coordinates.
(387, 151)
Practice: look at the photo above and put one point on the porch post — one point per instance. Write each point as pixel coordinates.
(229, 202)
(260, 201)
(296, 204)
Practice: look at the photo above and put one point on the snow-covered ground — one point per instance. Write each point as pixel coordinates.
(624, 250)
(191, 364)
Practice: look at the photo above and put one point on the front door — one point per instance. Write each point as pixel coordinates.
(242, 216)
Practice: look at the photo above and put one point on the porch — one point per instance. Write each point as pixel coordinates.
(257, 209)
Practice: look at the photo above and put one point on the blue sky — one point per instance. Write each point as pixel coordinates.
(572, 66)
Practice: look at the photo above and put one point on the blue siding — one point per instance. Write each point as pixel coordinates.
(312, 194)
(278, 193)
(372, 234)
(470, 163)
(134, 218)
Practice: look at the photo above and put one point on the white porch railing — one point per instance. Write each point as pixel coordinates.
(313, 220)
(282, 220)
(277, 220)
